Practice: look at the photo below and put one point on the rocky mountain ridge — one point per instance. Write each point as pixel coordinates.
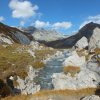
(87, 31)
(43, 35)
(11, 34)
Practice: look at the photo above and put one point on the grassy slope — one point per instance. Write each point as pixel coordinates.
(15, 58)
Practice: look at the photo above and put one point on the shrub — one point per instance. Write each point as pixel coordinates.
(97, 51)
(42, 54)
(83, 52)
(38, 64)
(72, 70)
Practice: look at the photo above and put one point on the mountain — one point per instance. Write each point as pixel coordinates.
(50, 38)
(42, 34)
(88, 30)
(11, 34)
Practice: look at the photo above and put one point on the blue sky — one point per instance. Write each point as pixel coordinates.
(65, 16)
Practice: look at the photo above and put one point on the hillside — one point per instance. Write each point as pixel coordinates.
(43, 34)
(86, 31)
(13, 35)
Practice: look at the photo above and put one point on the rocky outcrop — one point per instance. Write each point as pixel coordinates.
(95, 39)
(82, 43)
(10, 35)
(84, 79)
(5, 39)
(98, 44)
(87, 77)
(28, 85)
(93, 97)
(74, 60)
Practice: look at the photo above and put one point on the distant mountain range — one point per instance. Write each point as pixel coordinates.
(48, 37)
(42, 34)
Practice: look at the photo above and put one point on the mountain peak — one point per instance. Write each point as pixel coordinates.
(90, 26)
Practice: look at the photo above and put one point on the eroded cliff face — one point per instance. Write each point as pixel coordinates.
(11, 35)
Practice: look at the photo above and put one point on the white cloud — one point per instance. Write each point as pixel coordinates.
(2, 18)
(56, 26)
(95, 19)
(41, 24)
(22, 9)
(62, 25)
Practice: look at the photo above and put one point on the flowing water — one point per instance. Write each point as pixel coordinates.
(52, 66)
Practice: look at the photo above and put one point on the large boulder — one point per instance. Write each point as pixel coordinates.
(95, 38)
(28, 86)
(98, 44)
(74, 60)
(93, 97)
(82, 43)
(84, 79)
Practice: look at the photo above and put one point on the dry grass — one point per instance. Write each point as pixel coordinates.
(71, 69)
(15, 58)
(48, 93)
(86, 91)
(43, 54)
(13, 61)
(38, 64)
(97, 51)
(83, 52)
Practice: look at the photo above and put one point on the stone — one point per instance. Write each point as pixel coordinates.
(31, 53)
(82, 43)
(74, 60)
(84, 79)
(93, 66)
(28, 86)
(5, 39)
(98, 44)
(93, 97)
(34, 45)
(95, 38)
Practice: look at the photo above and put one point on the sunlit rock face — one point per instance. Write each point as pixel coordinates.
(43, 35)
(5, 39)
(74, 60)
(82, 43)
(11, 35)
(95, 39)
(27, 85)
(84, 79)
(92, 97)
(87, 77)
